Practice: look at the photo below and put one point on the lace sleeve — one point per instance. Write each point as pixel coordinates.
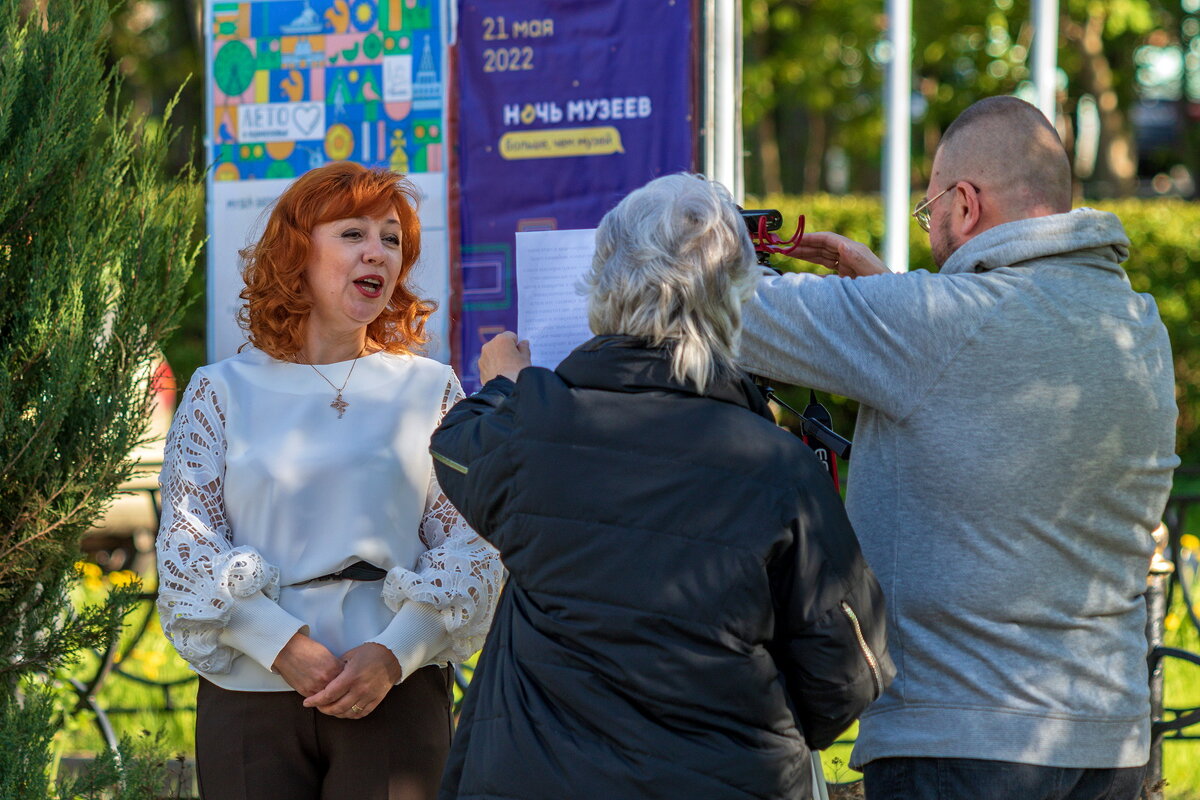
(459, 574)
(201, 573)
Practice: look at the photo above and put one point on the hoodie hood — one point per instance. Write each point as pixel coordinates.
(1084, 229)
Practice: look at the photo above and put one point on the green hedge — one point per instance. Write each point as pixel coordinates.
(1165, 262)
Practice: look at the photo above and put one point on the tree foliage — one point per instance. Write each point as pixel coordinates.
(811, 84)
(157, 47)
(814, 72)
(96, 248)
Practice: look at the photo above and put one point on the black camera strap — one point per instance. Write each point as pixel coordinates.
(816, 431)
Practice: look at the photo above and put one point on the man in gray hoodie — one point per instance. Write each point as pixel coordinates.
(1014, 450)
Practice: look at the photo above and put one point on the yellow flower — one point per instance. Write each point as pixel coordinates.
(91, 575)
(1189, 541)
(150, 662)
(123, 577)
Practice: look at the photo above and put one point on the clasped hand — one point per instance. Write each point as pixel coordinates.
(349, 687)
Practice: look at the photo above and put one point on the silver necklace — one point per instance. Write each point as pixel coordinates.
(339, 405)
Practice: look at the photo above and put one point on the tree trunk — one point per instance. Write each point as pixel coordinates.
(1068, 134)
(195, 14)
(767, 135)
(931, 132)
(814, 153)
(1116, 167)
(766, 132)
(1189, 110)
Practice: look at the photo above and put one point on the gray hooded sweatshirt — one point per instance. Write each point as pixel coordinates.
(1013, 451)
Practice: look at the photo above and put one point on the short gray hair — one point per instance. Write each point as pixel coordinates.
(673, 264)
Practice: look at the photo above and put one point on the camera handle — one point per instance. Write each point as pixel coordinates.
(816, 432)
(762, 224)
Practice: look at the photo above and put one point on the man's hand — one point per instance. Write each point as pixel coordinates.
(503, 355)
(847, 257)
(306, 665)
(370, 670)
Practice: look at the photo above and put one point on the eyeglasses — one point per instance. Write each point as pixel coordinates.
(922, 212)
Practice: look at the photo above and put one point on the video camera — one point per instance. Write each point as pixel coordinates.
(767, 218)
(762, 224)
(815, 421)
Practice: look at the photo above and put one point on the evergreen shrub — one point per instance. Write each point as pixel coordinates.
(95, 251)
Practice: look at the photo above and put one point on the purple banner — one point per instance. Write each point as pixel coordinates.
(565, 107)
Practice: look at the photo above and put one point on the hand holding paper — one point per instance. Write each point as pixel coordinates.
(503, 355)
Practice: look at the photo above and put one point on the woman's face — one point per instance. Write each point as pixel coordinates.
(352, 268)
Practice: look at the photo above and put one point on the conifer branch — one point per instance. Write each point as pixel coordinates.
(95, 253)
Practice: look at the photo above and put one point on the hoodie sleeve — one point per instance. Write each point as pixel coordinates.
(882, 340)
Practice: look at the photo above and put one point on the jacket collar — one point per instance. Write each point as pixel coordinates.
(629, 364)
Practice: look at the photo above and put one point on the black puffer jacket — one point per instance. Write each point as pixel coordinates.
(686, 604)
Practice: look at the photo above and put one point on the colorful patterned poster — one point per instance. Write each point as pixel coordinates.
(566, 107)
(294, 84)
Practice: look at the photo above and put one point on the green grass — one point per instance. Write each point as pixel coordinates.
(1181, 689)
(1181, 681)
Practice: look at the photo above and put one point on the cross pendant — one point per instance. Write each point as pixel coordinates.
(339, 405)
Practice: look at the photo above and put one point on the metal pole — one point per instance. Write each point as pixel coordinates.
(721, 94)
(1045, 57)
(1156, 611)
(896, 156)
(210, 311)
(820, 785)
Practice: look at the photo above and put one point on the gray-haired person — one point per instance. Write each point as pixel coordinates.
(687, 610)
(1014, 450)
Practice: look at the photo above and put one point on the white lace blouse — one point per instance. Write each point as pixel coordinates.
(264, 488)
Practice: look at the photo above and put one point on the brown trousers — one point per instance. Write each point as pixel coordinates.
(267, 746)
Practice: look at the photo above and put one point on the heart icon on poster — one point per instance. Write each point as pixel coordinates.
(306, 118)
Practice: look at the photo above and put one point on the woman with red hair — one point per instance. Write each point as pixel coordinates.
(311, 569)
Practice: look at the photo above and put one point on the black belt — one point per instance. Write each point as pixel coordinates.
(358, 571)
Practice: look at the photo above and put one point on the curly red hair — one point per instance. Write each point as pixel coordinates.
(276, 295)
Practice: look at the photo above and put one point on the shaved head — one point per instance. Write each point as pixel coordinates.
(1009, 150)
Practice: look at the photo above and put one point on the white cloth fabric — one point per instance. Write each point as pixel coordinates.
(264, 488)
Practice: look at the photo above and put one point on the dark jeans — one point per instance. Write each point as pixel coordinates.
(974, 779)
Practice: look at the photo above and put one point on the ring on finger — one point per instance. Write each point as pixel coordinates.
(356, 709)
